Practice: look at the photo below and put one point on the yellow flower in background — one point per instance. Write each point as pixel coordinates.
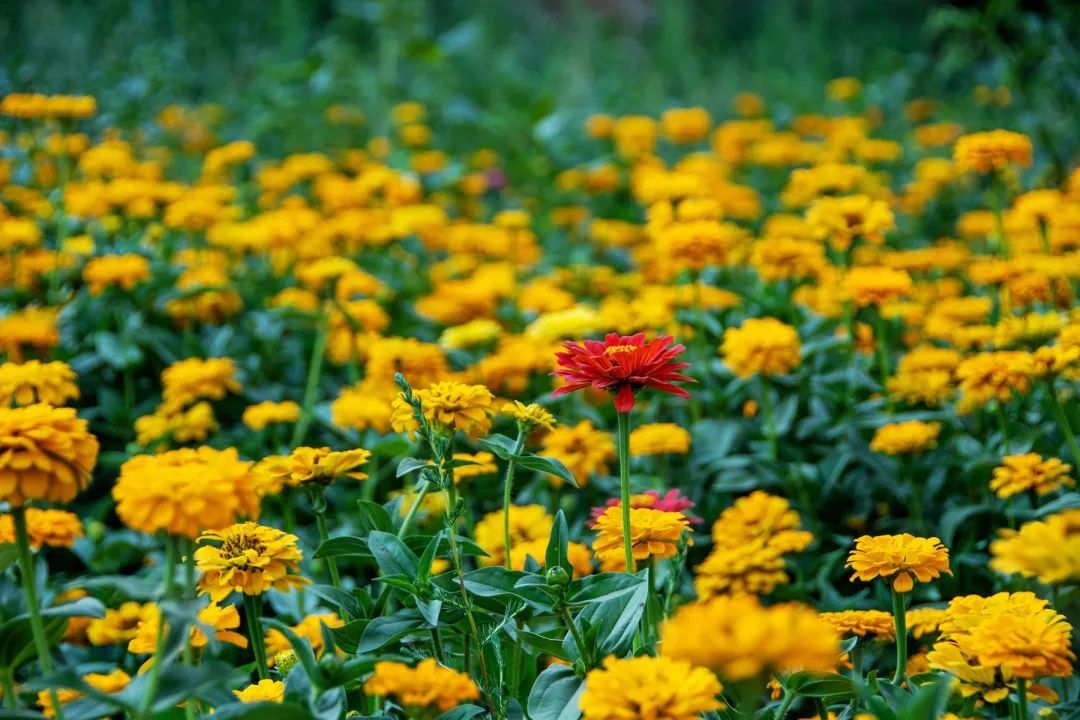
(247, 558)
(46, 453)
(876, 624)
(427, 686)
(842, 220)
(530, 416)
(262, 691)
(1029, 471)
(260, 415)
(843, 88)
(182, 426)
(109, 683)
(314, 466)
(528, 524)
(579, 556)
(310, 628)
(902, 558)
(582, 448)
(924, 621)
(761, 345)
(223, 619)
(685, 126)
(119, 625)
(992, 151)
(1047, 549)
(657, 688)
(653, 534)
(471, 334)
(659, 439)
(448, 406)
(26, 383)
(184, 492)
(910, 436)
(738, 639)
(876, 286)
(993, 376)
(195, 379)
(123, 271)
(46, 528)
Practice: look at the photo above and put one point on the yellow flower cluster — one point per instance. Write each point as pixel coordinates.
(26, 383)
(35, 105)
(1029, 471)
(448, 406)
(426, 686)
(649, 687)
(992, 151)
(659, 439)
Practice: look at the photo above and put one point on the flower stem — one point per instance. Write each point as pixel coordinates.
(1063, 422)
(310, 390)
(331, 563)
(624, 487)
(8, 683)
(883, 359)
(384, 594)
(785, 705)
(767, 417)
(508, 491)
(29, 583)
(190, 709)
(900, 619)
(252, 611)
(579, 642)
(162, 631)
(1021, 699)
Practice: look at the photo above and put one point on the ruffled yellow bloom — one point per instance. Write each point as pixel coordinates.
(250, 559)
(531, 416)
(898, 557)
(194, 379)
(48, 528)
(123, 271)
(362, 407)
(992, 151)
(657, 688)
(582, 448)
(262, 691)
(658, 439)
(182, 426)
(109, 683)
(842, 220)
(924, 621)
(46, 453)
(448, 406)
(33, 381)
(427, 686)
(186, 491)
(653, 534)
(910, 436)
(878, 285)
(314, 466)
(737, 638)
(1047, 550)
(684, 126)
(260, 415)
(862, 623)
(32, 327)
(1027, 646)
(993, 376)
(471, 334)
(782, 258)
(1020, 473)
(761, 345)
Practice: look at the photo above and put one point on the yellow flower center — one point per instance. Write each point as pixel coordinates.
(235, 546)
(615, 349)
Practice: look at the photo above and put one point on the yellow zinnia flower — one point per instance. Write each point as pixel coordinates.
(761, 345)
(657, 688)
(1029, 471)
(653, 534)
(33, 381)
(427, 686)
(250, 559)
(46, 453)
(898, 557)
(448, 406)
(911, 436)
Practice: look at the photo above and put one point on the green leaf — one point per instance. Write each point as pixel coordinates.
(555, 694)
(300, 646)
(261, 711)
(392, 555)
(9, 554)
(374, 517)
(556, 554)
(382, 631)
(549, 646)
(603, 587)
(616, 619)
(344, 546)
(820, 685)
(501, 445)
(423, 569)
(408, 465)
(117, 353)
(340, 599)
(548, 465)
(348, 635)
(461, 712)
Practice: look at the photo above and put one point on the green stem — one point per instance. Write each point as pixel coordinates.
(9, 688)
(1021, 699)
(579, 642)
(998, 201)
(767, 417)
(37, 627)
(311, 389)
(331, 563)
(190, 709)
(159, 645)
(1063, 422)
(436, 646)
(785, 705)
(900, 619)
(883, 358)
(508, 491)
(384, 594)
(1004, 428)
(255, 634)
(624, 487)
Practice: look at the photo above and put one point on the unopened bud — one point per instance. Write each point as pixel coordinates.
(285, 661)
(558, 577)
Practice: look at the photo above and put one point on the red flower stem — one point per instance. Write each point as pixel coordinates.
(624, 486)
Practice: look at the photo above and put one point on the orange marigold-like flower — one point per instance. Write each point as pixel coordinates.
(862, 623)
(911, 436)
(46, 453)
(427, 686)
(1047, 550)
(262, 691)
(260, 415)
(314, 466)
(124, 271)
(33, 381)
(1029, 471)
(250, 559)
(876, 285)
(657, 688)
(761, 345)
(991, 151)
(653, 534)
(49, 528)
(899, 557)
(450, 406)
(193, 379)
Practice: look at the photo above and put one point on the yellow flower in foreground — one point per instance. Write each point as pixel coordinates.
(1027, 646)
(1047, 550)
(657, 688)
(49, 528)
(225, 619)
(186, 491)
(449, 406)
(898, 557)
(46, 453)
(315, 466)
(737, 638)
(653, 534)
(658, 439)
(427, 686)
(262, 414)
(911, 436)
(761, 345)
(34, 381)
(250, 559)
(531, 416)
(262, 691)
(1020, 473)
(194, 379)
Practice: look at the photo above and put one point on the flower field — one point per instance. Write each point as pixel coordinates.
(727, 413)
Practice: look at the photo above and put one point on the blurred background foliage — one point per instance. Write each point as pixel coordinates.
(521, 75)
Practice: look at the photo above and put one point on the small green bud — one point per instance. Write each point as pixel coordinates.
(96, 530)
(285, 661)
(557, 577)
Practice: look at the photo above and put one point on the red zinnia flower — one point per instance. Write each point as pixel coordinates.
(622, 364)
